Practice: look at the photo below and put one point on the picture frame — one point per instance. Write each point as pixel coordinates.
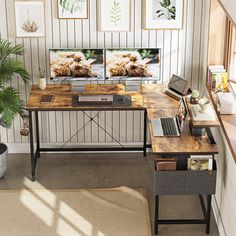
(30, 19)
(114, 15)
(164, 14)
(72, 9)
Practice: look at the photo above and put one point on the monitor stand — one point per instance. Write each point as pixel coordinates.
(77, 88)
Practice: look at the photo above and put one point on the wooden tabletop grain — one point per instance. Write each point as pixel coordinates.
(150, 98)
(158, 104)
(62, 98)
(186, 144)
(154, 97)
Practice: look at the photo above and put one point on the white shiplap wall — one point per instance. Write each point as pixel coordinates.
(182, 52)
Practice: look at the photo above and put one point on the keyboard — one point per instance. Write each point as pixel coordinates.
(168, 126)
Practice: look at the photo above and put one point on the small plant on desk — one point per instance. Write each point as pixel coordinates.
(42, 79)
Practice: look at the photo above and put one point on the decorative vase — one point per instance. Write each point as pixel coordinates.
(3, 159)
(42, 83)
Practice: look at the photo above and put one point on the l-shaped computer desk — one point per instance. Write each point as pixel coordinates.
(154, 103)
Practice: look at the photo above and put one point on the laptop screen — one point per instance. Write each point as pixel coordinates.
(182, 114)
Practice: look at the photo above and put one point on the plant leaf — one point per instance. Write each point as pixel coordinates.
(7, 49)
(72, 5)
(162, 14)
(166, 3)
(9, 106)
(115, 12)
(11, 67)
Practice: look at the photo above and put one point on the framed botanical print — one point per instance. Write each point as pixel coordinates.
(72, 9)
(29, 18)
(163, 14)
(114, 15)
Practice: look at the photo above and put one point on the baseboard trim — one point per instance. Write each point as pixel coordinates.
(218, 219)
(25, 147)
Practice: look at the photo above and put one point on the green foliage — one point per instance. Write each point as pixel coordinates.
(168, 11)
(10, 68)
(9, 106)
(72, 5)
(89, 54)
(115, 13)
(145, 53)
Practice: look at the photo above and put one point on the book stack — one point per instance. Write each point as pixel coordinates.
(200, 162)
(165, 163)
(217, 78)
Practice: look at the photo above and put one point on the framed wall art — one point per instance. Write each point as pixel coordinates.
(114, 15)
(163, 14)
(72, 9)
(30, 19)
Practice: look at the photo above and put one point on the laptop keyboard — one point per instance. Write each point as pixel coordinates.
(168, 126)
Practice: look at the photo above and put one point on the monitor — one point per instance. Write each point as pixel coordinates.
(133, 63)
(76, 64)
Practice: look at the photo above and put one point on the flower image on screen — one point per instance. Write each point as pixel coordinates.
(133, 63)
(74, 63)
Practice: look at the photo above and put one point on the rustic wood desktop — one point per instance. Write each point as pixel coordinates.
(152, 100)
(62, 101)
(180, 182)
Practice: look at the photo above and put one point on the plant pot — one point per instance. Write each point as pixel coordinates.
(42, 83)
(3, 159)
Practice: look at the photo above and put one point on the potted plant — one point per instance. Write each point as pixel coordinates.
(10, 106)
(42, 79)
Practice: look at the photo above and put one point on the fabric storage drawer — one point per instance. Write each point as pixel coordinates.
(170, 182)
(185, 182)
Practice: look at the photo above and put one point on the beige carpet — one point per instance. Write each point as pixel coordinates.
(106, 212)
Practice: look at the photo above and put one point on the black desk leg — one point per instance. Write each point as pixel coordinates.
(32, 146)
(208, 215)
(156, 218)
(37, 134)
(145, 134)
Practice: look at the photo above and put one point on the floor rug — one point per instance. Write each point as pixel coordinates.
(99, 212)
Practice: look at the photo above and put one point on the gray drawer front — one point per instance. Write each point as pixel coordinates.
(170, 182)
(200, 182)
(184, 182)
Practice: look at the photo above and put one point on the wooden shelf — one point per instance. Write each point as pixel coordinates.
(203, 123)
(228, 124)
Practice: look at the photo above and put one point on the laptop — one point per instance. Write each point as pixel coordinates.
(170, 126)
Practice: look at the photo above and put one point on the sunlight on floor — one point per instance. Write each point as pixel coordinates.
(37, 206)
(74, 219)
(39, 203)
(100, 234)
(54, 212)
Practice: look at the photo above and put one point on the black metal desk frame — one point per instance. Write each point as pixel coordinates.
(35, 154)
(206, 208)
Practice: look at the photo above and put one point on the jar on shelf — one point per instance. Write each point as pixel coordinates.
(194, 97)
